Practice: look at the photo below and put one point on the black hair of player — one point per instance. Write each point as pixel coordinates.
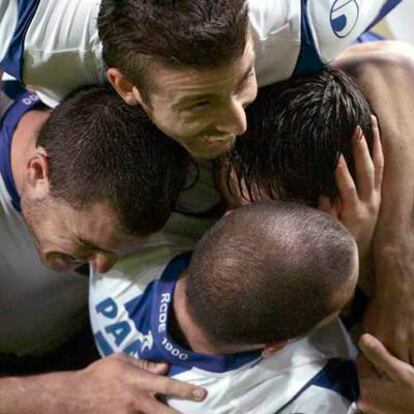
(296, 131)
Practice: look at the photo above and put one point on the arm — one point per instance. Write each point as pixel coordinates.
(118, 384)
(385, 73)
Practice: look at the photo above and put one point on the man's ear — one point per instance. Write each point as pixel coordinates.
(37, 175)
(126, 90)
(273, 347)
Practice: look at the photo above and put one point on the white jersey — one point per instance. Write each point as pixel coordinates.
(53, 45)
(39, 308)
(129, 310)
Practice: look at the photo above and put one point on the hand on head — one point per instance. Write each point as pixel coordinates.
(358, 204)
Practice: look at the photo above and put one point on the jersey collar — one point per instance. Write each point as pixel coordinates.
(8, 125)
(173, 352)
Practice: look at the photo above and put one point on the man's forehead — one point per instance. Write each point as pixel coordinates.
(188, 83)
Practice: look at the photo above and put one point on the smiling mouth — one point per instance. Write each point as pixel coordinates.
(218, 142)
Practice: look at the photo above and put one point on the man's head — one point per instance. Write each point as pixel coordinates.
(189, 63)
(269, 272)
(296, 131)
(100, 179)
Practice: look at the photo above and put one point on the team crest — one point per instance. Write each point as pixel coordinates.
(344, 17)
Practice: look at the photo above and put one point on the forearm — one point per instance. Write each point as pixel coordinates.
(35, 394)
(386, 76)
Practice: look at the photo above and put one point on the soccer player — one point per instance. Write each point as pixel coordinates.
(79, 184)
(190, 63)
(251, 316)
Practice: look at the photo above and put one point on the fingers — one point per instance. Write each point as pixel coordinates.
(364, 165)
(377, 153)
(325, 204)
(346, 186)
(153, 406)
(170, 387)
(378, 355)
(157, 368)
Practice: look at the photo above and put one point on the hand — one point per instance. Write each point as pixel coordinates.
(387, 384)
(359, 201)
(117, 384)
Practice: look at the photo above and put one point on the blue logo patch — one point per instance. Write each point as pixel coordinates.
(344, 16)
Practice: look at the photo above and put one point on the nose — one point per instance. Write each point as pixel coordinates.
(233, 118)
(101, 263)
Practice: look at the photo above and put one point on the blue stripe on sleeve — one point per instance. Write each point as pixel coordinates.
(386, 8)
(12, 62)
(309, 60)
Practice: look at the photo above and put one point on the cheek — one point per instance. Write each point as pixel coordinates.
(251, 92)
(181, 128)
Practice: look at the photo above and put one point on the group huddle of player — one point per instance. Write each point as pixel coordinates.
(217, 165)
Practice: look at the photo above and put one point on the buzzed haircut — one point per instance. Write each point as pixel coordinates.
(296, 131)
(102, 150)
(269, 272)
(199, 34)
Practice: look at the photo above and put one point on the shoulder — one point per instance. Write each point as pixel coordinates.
(333, 390)
(298, 37)
(38, 36)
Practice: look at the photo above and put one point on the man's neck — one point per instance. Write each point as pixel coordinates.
(195, 338)
(24, 143)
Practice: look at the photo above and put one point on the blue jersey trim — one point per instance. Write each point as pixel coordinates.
(13, 89)
(12, 62)
(369, 37)
(309, 60)
(182, 359)
(386, 8)
(8, 125)
(339, 375)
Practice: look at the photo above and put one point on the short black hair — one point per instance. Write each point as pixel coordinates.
(269, 271)
(101, 149)
(200, 34)
(296, 131)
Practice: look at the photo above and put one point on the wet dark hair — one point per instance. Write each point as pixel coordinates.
(296, 131)
(200, 34)
(269, 271)
(102, 150)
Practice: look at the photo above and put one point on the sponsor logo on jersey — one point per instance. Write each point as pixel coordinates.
(118, 333)
(344, 17)
(162, 328)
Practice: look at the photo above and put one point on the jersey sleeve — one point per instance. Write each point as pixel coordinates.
(52, 46)
(334, 390)
(328, 27)
(16, 17)
(316, 400)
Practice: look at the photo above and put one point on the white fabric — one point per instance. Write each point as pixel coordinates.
(400, 22)
(8, 13)
(62, 48)
(269, 385)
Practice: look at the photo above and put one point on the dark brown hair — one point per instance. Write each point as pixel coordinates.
(102, 150)
(194, 33)
(296, 131)
(269, 272)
